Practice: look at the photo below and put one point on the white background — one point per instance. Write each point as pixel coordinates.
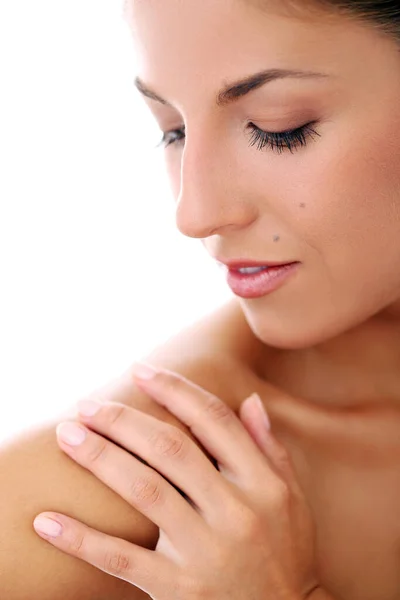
(93, 272)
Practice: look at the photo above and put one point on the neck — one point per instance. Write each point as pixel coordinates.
(358, 368)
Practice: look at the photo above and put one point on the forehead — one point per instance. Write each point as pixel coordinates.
(207, 25)
(187, 45)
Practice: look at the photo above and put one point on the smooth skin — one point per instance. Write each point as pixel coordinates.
(331, 335)
(333, 204)
(38, 475)
(247, 531)
(329, 339)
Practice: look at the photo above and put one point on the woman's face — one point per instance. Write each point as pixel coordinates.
(332, 204)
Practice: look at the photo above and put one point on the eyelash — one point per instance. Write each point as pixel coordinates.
(277, 141)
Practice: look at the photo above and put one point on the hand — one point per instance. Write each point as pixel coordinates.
(238, 532)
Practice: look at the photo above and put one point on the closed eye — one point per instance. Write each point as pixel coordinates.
(275, 140)
(281, 140)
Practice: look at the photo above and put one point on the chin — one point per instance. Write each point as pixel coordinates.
(295, 331)
(308, 312)
(288, 340)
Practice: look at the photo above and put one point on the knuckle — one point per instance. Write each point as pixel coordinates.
(248, 524)
(220, 556)
(76, 543)
(172, 382)
(215, 408)
(145, 491)
(284, 463)
(169, 442)
(280, 498)
(189, 587)
(114, 412)
(117, 563)
(282, 460)
(97, 451)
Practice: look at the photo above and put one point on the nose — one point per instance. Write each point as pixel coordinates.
(211, 200)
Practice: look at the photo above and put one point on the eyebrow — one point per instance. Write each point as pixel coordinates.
(237, 89)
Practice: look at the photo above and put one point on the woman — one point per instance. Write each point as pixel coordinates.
(281, 129)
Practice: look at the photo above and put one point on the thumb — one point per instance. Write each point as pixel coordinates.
(254, 417)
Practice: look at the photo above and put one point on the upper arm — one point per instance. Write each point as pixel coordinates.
(36, 476)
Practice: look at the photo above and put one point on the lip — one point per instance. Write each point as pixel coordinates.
(234, 265)
(258, 285)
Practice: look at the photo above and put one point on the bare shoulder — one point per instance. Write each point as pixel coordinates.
(216, 352)
(35, 475)
(220, 343)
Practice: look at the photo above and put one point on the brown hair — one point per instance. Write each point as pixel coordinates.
(382, 14)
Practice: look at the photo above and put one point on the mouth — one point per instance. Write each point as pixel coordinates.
(254, 280)
(250, 266)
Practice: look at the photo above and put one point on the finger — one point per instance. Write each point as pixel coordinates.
(146, 569)
(252, 417)
(212, 422)
(166, 448)
(249, 415)
(138, 484)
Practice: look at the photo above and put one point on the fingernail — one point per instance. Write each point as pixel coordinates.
(257, 400)
(144, 371)
(71, 434)
(47, 526)
(88, 408)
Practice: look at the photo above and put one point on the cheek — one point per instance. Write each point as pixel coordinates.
(351, 199)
